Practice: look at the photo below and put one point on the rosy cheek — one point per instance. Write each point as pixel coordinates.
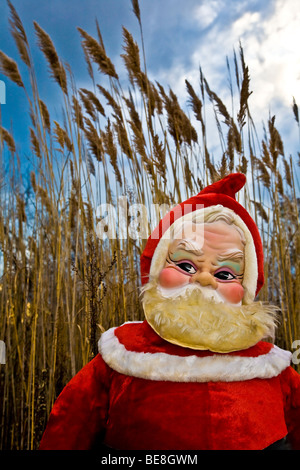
(170, 277)
(233, 292)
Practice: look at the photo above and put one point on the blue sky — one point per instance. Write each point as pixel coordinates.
(180, 36)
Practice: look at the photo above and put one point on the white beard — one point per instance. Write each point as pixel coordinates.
(197, 317)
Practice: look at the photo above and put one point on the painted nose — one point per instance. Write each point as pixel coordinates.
(205, 279)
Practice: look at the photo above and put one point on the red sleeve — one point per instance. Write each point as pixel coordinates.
(79, 414)
(290, 381)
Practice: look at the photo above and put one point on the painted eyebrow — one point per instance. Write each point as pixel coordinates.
(231, 255)
(190, 247)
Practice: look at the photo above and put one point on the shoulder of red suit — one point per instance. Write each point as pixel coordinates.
(134, 349)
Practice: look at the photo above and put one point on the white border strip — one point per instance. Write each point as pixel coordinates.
(216, 368)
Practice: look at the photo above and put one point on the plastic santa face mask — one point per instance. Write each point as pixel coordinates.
(198, 316)
(211, 257)
(201, 217)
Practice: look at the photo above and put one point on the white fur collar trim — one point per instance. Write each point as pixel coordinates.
(216, 368)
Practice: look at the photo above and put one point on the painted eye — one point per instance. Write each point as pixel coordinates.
(187, 267)
(224, 276)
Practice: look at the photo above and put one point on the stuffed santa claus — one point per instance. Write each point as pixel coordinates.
(196, 373)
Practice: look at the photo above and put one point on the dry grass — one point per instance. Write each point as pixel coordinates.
(62, 286)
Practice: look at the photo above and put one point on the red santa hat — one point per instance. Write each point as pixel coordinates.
(217, 196)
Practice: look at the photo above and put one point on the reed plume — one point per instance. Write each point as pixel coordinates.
(19, 35)
(93, 139)
(112, 102)
(45, 116)
(89, 97)
(180, 127)
(62, 137)
(195, 102)
(244, 95)
(136, 9)
(111, 149)
(77, 112)
(56, 67)
(10, 69)
(132, 60)
(35, 144)
(8, 139)
(97, 54)
(295, 110)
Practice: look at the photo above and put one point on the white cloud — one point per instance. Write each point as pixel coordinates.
(206, 13)
(271, 47)
(272, 51)
(270, 40)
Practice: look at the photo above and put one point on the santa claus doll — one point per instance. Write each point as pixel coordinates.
(200, 372)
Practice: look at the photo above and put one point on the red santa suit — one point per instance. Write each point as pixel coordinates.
(143, 392)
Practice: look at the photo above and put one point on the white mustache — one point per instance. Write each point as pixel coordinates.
(207, 293)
